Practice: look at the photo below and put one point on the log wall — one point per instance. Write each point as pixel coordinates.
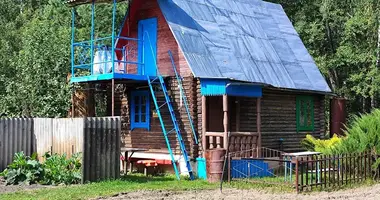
(153, 140)
(278, 118)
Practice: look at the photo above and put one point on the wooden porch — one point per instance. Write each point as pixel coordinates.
(231, 138)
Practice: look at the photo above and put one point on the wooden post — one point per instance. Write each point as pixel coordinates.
(297, 174)
(258, 124)
(90, 100)
(204, 125)
(72, 102)
(237, 104)
(225, 121)
(113, 97)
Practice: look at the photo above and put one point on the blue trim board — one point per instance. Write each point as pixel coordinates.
(217, 87)
(138, 123)
(109, 76)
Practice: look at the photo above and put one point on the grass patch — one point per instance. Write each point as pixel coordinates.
(138, 182)
(109, 188)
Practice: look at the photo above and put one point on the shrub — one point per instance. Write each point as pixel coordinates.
(23, 169)
(59, 169)
(363, 134)
(56, 169)
(328, 147)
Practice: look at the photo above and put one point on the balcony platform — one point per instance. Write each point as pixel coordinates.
(110, 76)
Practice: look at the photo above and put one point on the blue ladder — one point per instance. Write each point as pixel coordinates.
(159, 81)
(184, 98)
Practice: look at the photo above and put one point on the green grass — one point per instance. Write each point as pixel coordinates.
(134, 183)
(109, 188)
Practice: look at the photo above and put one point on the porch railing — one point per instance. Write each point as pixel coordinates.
(239, 141)
(98, 57)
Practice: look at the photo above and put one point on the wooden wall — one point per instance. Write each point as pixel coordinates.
(154, 139)
(165, 40)
(278, 117)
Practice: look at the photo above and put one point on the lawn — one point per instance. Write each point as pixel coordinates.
(108, 188)
(129, 184)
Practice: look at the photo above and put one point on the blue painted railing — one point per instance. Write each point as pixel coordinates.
(85, 56)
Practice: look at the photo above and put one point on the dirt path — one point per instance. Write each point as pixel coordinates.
(15, 188)
(367, 193)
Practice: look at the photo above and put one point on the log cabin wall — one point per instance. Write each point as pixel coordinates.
(278, 115)
(83, 101)
(278, 120)
(145, 9)
(154, 139)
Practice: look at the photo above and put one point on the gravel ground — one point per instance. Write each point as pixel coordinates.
(15, 188)
(367, 193)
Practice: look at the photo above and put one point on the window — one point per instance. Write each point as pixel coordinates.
(140, 109)
(305, 113)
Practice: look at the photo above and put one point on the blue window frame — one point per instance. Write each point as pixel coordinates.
(140, 107)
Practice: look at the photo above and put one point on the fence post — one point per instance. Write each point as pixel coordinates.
(297, 176)
(229, 167)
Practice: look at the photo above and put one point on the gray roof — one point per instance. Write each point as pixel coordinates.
(244, 40)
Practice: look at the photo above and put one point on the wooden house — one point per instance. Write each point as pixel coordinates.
(248, 79)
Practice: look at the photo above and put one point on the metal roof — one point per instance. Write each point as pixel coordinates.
(80, 2)
(244, 40)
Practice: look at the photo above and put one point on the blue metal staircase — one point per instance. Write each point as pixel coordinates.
(156, 86)
(184, 98)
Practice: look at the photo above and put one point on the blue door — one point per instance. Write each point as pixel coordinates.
(147, 47)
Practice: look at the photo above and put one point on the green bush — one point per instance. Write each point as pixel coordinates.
(363, 134)
(23, 169)
(327, 147)
(57, 169)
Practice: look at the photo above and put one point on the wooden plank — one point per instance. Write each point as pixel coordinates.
(258, 125)
(244, 134)
(204, 124)
(214, 134)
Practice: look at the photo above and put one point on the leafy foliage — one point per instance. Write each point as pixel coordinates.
(56, 169)
(23, 169)
(35, 53)
(343, 38)
(363, 134)
(59, 170)
(327, 147)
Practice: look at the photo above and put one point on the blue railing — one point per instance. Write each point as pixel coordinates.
(95, 56)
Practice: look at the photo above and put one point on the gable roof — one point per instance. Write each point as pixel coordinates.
(243, 40)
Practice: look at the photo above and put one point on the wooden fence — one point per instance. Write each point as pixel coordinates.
(333, 171)
(58, 135)
(97, 138)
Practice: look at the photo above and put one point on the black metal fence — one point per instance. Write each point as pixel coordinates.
(303, 173)
(319, 172)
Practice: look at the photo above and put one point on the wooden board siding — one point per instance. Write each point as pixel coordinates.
(278, 117)
(165, 40)
(154, 140)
